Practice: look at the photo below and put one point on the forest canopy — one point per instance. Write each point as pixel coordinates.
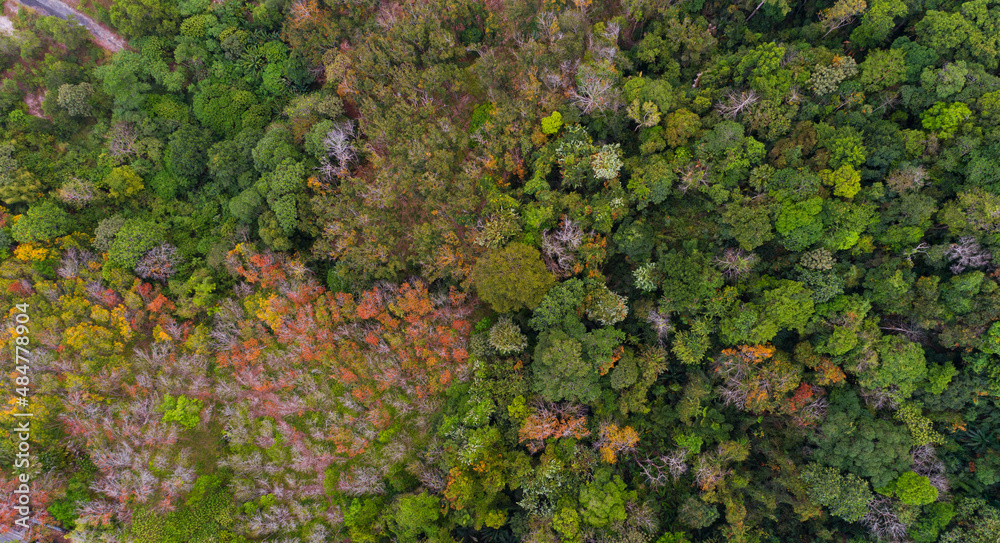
(551, 271)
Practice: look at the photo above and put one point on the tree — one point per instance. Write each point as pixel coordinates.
(222, 108)
(512, 278)
(182, 410)
(841, 14)
(680, 126)
(826, 78)
(506, 337)
(132, 241)
(602, 501)
(613, 440)
(75, 99)
(561, 300)
(560, 371)
(883, 68)
(123, 182)
(878, 22)
(697, 514)
(144, 18)
(846, 180)
(855, 441)
(188, 152)
(901, 365)
(43, 221)
(846, 496)
(160, 263)
(552, 123)
(689, 281)
(913, 489)
(414, 516)
(945, 119)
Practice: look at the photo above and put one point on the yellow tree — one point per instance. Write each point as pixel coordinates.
(841, 14)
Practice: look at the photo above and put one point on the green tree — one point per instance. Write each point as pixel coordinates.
(913, 489)
(222, 108)
(512, 278)
(43, 221)
(854, 440)
(847, 496)
(945, 119)
(75, 99)
(878, 22)
(560, 371)
(123, 182)
(415, 515)
(883, 68)
(188, 151)
(144, 17)
(846, 181)
(182, 410)
(901, 365)
(505, 336)
(135, 237)
(602, 501)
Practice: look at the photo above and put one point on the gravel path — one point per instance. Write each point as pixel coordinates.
(104, 37)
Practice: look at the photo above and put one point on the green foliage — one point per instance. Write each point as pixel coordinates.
(123, 182)
(826, 78)
(913, 489)
(182, 410)
(560, 371)
(223, 108)
(855, 441)
(945, 119)
(847, 496)
(602, 501)
(506, 337)
(512, 278)
(210, 518)
(552, 123)
(882, 69)
(696, 514)
(133, 239)
(414, 516)
(901, 365)
(920, 427)
(877, 22)
(846, 181)
(43, 221)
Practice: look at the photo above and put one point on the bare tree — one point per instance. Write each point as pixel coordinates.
(594, 91)
(735, 262)
(123, 140)
(660, 322)
(76, 192)
(968, 254)
(558, 247)
(159, 263)
(926, 463)
(880, 398)
(882, 521)
(907, 178)
(339, 149)
(737, 102)
(657, 470)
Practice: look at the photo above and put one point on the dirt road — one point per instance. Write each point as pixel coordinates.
(104, 37)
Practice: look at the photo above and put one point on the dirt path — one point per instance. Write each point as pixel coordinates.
(104, 37)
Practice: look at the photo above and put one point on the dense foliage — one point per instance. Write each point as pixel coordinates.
(506, 270)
